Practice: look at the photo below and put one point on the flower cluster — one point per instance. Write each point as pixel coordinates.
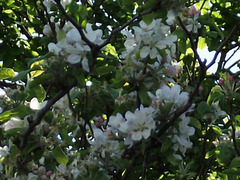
(180, 134)
(131, 128)
(72, 47)
(192, 22)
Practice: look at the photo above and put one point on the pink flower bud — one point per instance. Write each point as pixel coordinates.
(221, 81)
(44, 177)
(171, 71)
(30, 175)
(49, 173)
(200, 89)
(192, 11)
(230, 78)
(42, 170)
(100, 120)
(97, 123)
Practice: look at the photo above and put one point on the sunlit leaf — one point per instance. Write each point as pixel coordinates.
(60, 156)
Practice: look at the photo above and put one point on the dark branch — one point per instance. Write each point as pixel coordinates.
(79, 28)
(40, 114)
(224, 43)
(194, 48)
(127, 24)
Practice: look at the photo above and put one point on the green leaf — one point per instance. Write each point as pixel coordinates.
(20, 111)
(6, 73)
(195, 123)
(201, 43)
(65, 137)
(235, 163)
(111, 50)
(203, 108)
(14, 151)
(38, 92)
(216, 93)
(103, 70)
(232, 171)
(32, 60)
(60, 156)
(82, 10)
(166, 145)
(217, 130)
(143, 95)
(121, 163)
(61, 35)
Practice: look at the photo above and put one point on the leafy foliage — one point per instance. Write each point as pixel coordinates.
(116, 89)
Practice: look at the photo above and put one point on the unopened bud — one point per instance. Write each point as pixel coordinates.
(42, 170)
(200, 89)
(44, 177)
(230, 78)
(49, 173)
(192, 11)
(221, 81)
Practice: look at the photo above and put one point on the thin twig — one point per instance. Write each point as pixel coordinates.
(52, 25)
(224, 43)
(127, 24)
(236, 62)
(196, 55)
(95, 10)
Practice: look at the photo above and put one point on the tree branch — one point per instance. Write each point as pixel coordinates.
(125, 25)
(40, 114)
(79, 28)
(194, 48)
(224, 43)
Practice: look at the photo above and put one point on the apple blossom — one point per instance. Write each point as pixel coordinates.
(35, 105)
(138, 125)
(180, 137)
(13, 123)
(193, 24)
(193, 11)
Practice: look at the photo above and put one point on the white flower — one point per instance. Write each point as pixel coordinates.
(48, 4)
(73, 35)
(4, 151)
(75, 172)
(1, 110)
(85, 64)
(114, 121)
(14, 122)
(193, 24)
(217, 110)
(173, 95)
(47, 30)
(93, 36)
(54, 48)
(181, 136)
(171, 17)
(35, 105)
(2, 93)
(99, 137)
(138, 125)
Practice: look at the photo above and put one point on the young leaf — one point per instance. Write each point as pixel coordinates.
(60, 156)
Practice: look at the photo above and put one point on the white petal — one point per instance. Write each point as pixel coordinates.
(53, 48)
(34, 104)
(85, 64)
(74, 58)
(73, 35)
(146, 133)
(136, 136)
(144, 51)
(153, 53)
